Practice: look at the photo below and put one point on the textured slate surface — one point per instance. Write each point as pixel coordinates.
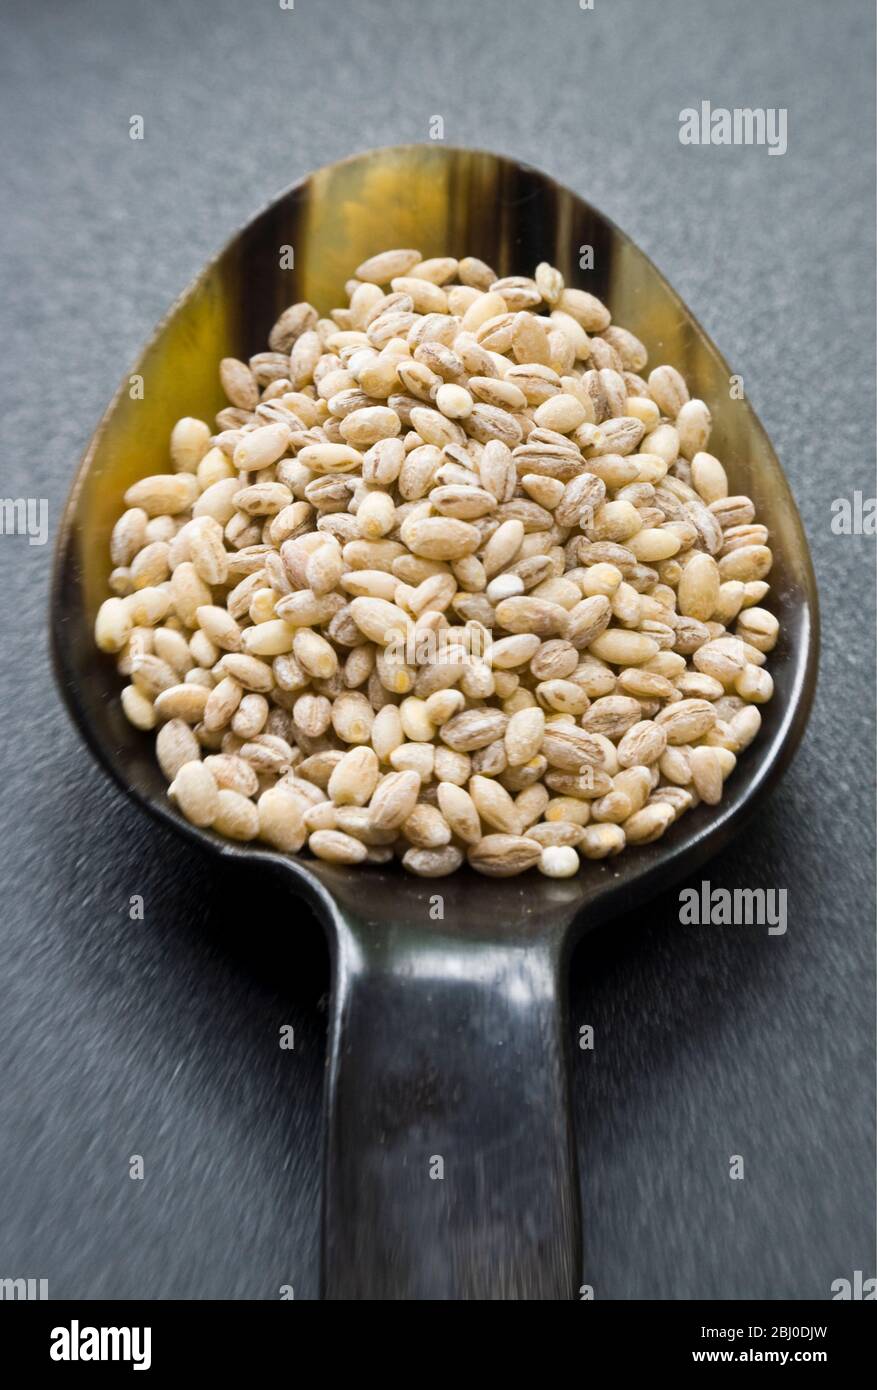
(160, 1038)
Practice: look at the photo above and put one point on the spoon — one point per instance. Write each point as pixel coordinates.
(450, 1168)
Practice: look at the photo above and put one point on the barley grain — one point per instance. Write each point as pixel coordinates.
(195, 792)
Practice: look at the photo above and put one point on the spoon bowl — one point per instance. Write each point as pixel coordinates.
(450, 1159)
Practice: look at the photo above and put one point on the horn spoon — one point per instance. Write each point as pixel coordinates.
(450, 1159)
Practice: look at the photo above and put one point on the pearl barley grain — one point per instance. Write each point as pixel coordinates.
(455, 580)
(454, 401)
(558, 861)
(196, 793)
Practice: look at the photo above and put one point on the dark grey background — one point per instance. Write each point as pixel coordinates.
(160, 1038)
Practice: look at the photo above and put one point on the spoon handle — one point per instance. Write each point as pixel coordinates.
(450, 1164)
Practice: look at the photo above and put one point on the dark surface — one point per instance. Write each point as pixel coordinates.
(160, 1038)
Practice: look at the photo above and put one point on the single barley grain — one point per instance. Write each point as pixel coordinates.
(558, 861)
